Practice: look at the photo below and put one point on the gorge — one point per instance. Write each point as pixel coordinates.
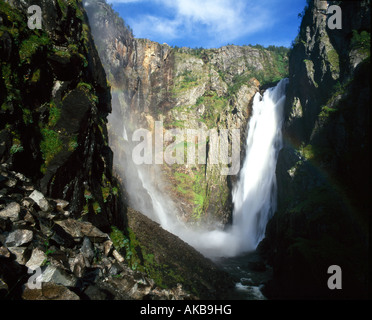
(101, 226)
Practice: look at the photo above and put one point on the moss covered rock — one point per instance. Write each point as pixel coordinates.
(55, 100)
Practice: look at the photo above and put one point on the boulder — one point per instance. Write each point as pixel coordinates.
(37, 258)
(87, 250)
(19, 237)
(108, 247)
(40, 200)
(118, 256)
(77, 265)
(29, 218)
(11, 211)
(78, 230)
(49, 291)
(61, 205)
(20, 254)
(115, 269)
(11, 183)
(58, 276)
(4, 252)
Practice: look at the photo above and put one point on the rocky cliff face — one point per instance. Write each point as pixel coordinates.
(323, 170)
(54, 103)
(185, 89)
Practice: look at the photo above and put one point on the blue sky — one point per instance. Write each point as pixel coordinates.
(213, 23)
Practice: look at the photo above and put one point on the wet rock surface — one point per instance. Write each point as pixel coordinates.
(251, 275)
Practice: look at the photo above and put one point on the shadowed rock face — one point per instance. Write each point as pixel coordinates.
(55, 101)
(322, 170)
(199, 275)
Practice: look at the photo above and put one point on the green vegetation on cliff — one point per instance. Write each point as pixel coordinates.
(361, 42)
(213, 88)
(53, 98)
(139, 259)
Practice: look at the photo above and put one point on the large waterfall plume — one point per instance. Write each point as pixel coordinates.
(254, 195)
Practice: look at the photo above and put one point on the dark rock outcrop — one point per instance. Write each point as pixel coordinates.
(54, 104)
(46, 254)
(323, 169)
(197, 274)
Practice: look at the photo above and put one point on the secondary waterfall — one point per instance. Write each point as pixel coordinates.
(254, 195)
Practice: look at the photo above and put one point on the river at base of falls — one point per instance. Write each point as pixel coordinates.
(249, 273)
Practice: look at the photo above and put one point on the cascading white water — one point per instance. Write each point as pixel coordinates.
(254, 195)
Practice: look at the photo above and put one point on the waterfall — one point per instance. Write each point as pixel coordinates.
(254, 196)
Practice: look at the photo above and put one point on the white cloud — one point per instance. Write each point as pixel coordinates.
(221, 20)
(149, 25)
